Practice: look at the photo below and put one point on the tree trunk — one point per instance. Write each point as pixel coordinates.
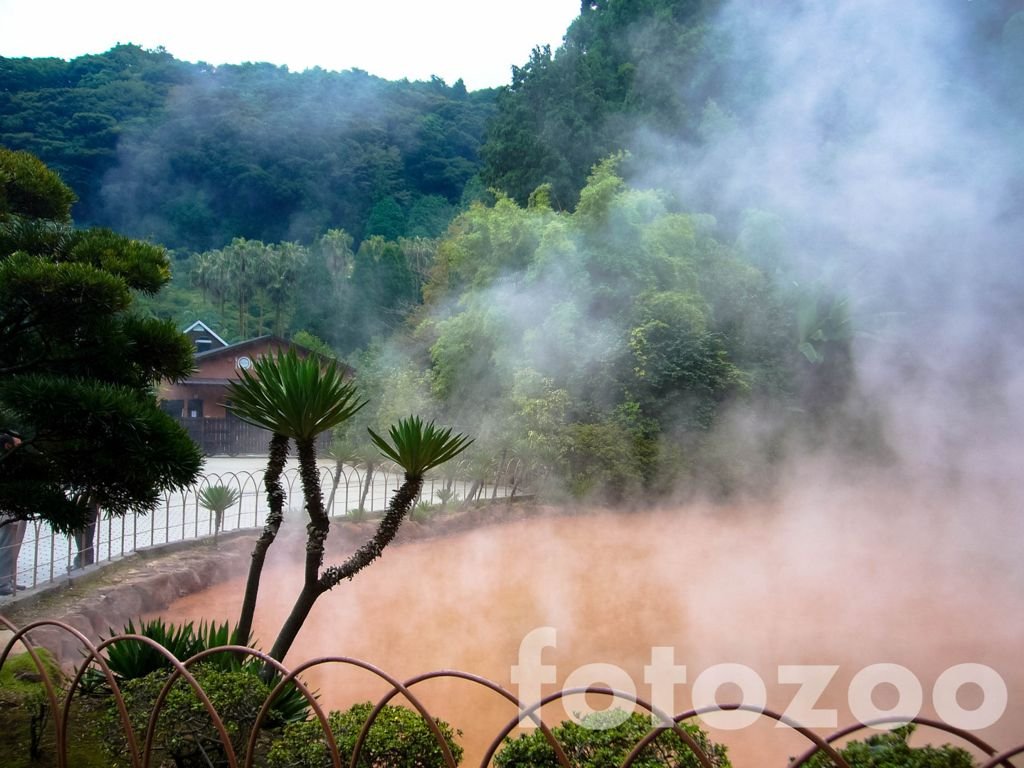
(85, 538)
(473, 490)
(400, 504)
(399, 507)
(367, 481)
(334, 487)
(275, 501)
(316, 534)
(499, 475)
(290, 629)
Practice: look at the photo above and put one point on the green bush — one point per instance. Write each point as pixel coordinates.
(185, 734)
(398, 738)
(27, 738)
(891, 750)
(597, 742)
(133, 660)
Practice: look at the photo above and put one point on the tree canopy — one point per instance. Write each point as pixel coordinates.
(249, 150)
(77, 366)
(603, 343)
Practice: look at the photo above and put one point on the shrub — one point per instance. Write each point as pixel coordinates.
(892, 750)
(185, 734)
(398, 738)
(133, 660)
(591, 743)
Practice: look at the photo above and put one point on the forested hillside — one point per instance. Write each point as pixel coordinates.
(669, 79)
(697, 234)
(191, 155)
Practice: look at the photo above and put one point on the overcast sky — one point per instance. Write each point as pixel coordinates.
(477, 40)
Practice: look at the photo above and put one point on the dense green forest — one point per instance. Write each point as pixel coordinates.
(192, 155)
(635, 265)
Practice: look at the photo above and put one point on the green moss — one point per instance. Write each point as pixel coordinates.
(19, 676)
(26, 717)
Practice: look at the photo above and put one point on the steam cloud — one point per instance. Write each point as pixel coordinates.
(885, 141)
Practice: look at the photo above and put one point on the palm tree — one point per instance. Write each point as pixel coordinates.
(217, 499)
(299, 399)
(281, 266)
(417, 448)
(273, 395)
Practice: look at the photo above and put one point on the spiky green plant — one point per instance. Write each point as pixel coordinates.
(218, 499)
(132, 660)
(417, 447)
(294, 398)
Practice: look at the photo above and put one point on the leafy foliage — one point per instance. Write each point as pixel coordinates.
(600, 344)
(419, 447)
(398, 738)
(892, 750)
(296, 397)
(185, 733)
(251, 151)
(77, 365)
(134, 660)
(603, 740)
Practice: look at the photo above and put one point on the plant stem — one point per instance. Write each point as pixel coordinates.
(278, 455)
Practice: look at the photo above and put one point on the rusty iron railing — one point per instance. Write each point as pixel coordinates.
(141, 757)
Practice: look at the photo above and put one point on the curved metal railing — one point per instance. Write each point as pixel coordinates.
(141, 756)
(349, 490)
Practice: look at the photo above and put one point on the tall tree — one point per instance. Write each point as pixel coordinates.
(77, 366)
(281, 268)
(302, 398)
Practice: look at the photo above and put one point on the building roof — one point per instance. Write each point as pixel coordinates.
(239, 346)
(242, 346)
(201, 327)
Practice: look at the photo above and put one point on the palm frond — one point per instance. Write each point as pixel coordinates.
(419, 447)
(217, 498)
(293, 396)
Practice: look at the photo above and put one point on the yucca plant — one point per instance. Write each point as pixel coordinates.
(217, 499)
(416, 447)
(297, 399)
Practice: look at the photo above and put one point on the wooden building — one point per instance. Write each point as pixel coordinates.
(199, 401)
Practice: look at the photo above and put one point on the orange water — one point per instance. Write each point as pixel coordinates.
(849, 579)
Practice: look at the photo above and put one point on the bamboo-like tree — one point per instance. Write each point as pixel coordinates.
(300, 399)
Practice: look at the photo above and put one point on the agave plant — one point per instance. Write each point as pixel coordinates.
(217, 499)
(132, 660)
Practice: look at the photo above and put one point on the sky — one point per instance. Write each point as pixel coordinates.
(477, 40)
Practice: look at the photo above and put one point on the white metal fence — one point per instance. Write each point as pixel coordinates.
(349, 491)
